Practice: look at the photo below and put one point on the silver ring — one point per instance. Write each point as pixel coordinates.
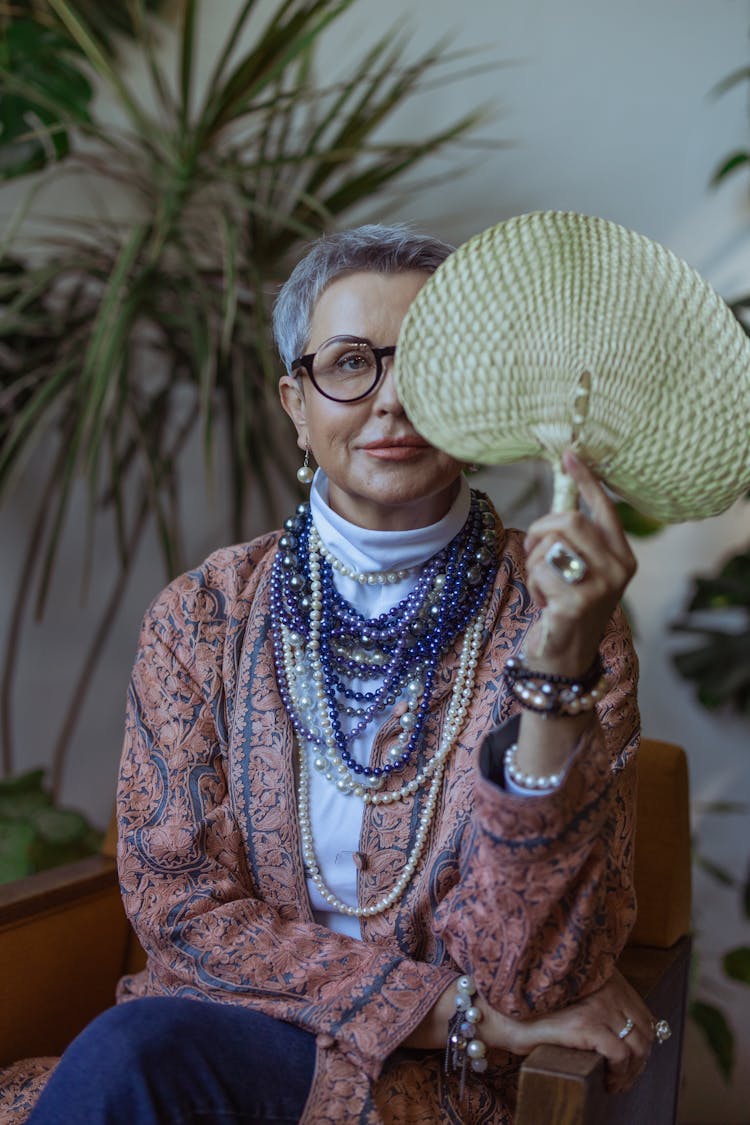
(629, 1025)
(570, 566)
(663, 1031)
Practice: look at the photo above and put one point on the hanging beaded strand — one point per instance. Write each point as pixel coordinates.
(464, 1048)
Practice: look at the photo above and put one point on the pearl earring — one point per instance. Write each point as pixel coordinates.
(304, 473)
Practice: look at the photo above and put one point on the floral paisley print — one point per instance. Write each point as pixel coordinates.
(532, 895)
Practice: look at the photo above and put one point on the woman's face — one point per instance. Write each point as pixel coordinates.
(382, 474)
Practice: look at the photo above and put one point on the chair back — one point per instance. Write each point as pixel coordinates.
(662, 846)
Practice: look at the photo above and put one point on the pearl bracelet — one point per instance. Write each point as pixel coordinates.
(528, 780)
(463, 1048)
(551, 694)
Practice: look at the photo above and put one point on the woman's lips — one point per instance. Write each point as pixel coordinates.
(396, 449)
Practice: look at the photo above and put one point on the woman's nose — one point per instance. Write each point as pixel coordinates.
(386, 398)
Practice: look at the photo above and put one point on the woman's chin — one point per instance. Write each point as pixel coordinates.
(393, 500)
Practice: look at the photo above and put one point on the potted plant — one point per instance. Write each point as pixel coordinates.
(121, 338)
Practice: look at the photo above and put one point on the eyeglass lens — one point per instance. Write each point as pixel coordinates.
(345, 369)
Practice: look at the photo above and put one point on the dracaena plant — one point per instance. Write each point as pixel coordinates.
(51, 88)
(121, 338)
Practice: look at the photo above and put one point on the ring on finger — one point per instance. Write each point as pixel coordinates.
(570, 566)
(625, 1031)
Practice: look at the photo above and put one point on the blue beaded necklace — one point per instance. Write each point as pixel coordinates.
(401, 648)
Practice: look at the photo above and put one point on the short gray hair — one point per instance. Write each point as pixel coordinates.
(374, 247)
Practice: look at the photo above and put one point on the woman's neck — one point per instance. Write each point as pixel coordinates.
(367, 549)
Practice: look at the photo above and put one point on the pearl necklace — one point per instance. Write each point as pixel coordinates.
(320, 642)
(461, 698)
(307, 697)
(364, 577)
(463, 690)
(351, 776)
(332, 750)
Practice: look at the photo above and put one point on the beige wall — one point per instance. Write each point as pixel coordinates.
(606, 109)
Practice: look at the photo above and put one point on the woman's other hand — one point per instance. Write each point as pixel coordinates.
(594, 1024)
(591, 1024)
(575, 617)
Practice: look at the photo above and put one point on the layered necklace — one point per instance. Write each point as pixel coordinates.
(323, 646)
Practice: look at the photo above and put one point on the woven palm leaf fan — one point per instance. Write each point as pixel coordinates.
(556, 330)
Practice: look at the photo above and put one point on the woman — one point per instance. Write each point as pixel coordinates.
(318, 839)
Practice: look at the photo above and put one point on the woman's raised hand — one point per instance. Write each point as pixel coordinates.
(567, 637)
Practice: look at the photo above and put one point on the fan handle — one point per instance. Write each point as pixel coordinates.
(565, 490)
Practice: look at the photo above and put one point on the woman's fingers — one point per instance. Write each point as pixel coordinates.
(577, 613)
(627, 1057)
(601, 529)
(574, 529)
(577, 607)
(584, 538)
(614, 1021)
(600, 563)
(601, 508)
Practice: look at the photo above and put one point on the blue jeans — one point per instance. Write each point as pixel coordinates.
(168, 1061)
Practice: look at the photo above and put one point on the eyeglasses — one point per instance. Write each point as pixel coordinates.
(345, 368)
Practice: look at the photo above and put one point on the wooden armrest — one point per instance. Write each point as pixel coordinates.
(63, 945)
(563, 1086)
(55, 888)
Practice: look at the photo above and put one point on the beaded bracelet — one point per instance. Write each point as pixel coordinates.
(528, 780)
(463, 1048)
(548, 693)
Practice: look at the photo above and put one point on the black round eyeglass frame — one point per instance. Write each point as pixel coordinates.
(306, 361)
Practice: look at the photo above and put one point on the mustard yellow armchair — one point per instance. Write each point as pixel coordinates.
(65, 941)
(560, 1086)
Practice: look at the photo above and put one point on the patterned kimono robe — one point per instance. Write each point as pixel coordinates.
(531, 894)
